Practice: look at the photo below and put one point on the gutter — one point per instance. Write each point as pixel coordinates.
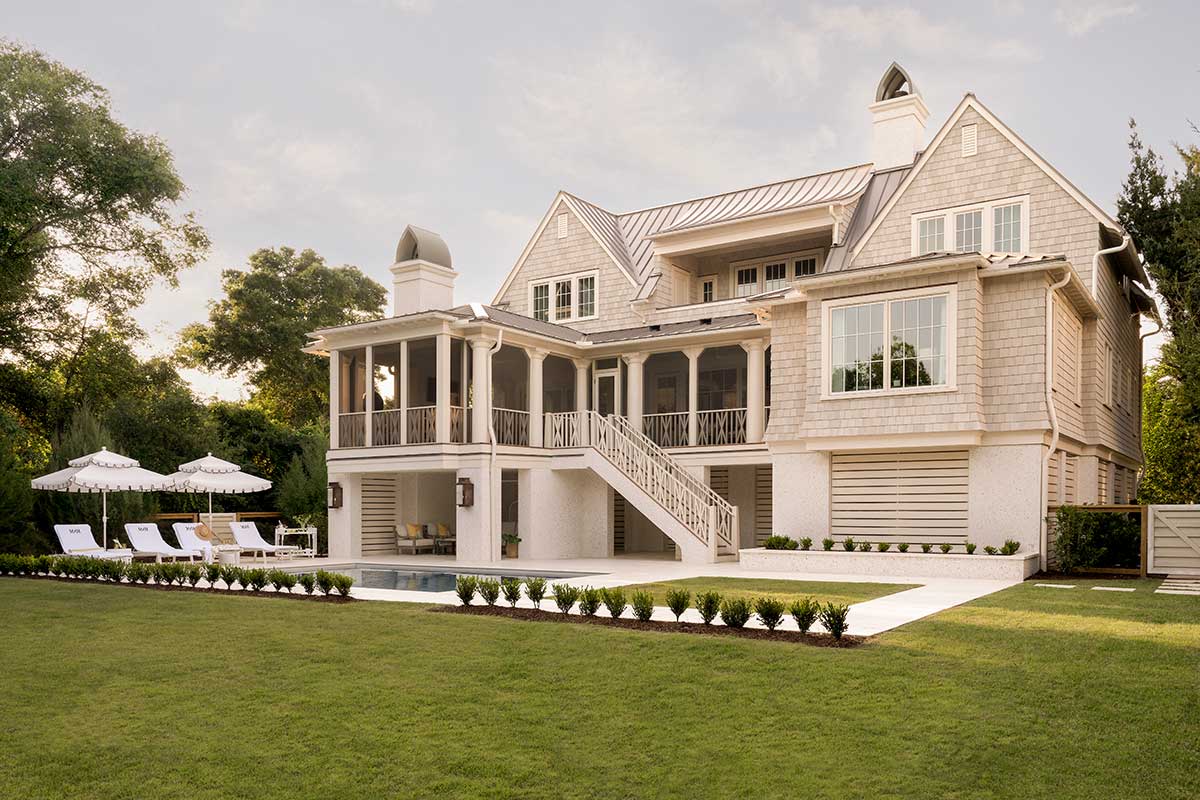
(1052, 414)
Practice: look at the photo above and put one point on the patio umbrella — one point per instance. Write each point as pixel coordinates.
(214, 475)
(102, 472)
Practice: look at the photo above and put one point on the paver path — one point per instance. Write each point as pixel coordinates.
(1179, 585)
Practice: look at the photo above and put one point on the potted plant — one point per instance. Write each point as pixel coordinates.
(510, 544)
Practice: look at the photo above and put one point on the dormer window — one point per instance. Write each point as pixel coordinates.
(565, 298)
(772, 273)
(995, 226)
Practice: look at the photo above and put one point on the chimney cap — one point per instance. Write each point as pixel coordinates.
(893, 83)
(423, 245)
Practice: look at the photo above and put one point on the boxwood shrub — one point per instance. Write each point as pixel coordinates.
(735, 612)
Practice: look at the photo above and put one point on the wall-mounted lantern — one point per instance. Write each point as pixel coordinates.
(334, 496)
(464, 493)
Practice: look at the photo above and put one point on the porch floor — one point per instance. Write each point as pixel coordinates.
(866, 619)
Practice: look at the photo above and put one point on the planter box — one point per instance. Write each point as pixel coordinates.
(910, 565)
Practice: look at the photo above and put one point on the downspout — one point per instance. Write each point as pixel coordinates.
(494, 503)
(1052, 414)
(1141, 473)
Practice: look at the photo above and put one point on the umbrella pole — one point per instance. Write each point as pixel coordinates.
(104, 516)
(210, 524)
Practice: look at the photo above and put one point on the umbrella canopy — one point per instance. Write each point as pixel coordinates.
(103, 472)
(214, 475)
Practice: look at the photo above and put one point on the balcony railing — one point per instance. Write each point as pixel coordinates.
(511, 426)
(422, 425)
(667, 430)
(724, 426)
(352, 429)
(458, 424)
(565, 429)
(386, 426)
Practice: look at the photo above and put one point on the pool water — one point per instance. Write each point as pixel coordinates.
(415, 580)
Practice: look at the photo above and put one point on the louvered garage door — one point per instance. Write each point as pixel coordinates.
(915, 497)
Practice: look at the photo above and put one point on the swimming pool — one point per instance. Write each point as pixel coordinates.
(420, 580)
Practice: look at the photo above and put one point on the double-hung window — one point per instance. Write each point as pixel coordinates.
(806, 266)
(565, 298)
(747, 281)
(775, 276)
(890, 343)
(708, 290)
(995, 226)
(752, 276)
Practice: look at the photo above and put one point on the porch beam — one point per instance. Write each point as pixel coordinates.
(756, 383)
(537, 358)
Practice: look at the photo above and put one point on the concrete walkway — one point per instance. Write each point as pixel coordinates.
(866, 618)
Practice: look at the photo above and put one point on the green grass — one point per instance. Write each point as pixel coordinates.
(122, 692)
(786, 590)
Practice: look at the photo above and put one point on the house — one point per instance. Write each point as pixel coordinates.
(932, 346)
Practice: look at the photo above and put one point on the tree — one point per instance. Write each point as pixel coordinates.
(263, 321)
(1172, 444)
(301, 491)
(17, 533)
(87, 220)
(1162, 213)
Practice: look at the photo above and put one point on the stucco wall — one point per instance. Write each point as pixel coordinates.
(800, 495)
(1005, 485)
(563, 514)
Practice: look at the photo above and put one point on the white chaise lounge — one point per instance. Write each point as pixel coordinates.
(77, 540)
(147, 540)
(185, 532)
(248, 538)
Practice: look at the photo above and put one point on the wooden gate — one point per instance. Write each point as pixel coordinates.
(1174, 546)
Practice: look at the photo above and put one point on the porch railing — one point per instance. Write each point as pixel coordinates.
(724, 426)
(352, 431)
(386, 426)
(422, 425)
(667, 430)
(458, 424)
(511, 425)
(564, 429)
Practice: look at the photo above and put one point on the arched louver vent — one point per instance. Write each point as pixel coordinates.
(895, 83)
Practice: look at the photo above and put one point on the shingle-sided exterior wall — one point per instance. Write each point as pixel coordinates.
(577, 252)
(1014, 352)
(789, 357)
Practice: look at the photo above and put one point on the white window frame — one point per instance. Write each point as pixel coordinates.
(949, 291)
(552, 282)
(761, 264)
(982, 223)
(938, 217)
(987, 234)
(711, 282)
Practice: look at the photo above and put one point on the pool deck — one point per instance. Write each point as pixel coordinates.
(866, 618)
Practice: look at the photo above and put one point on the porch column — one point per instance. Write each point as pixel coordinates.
(369, 397)
(442, 412)
(402, 389)
(335, 399)
(481, 394)
(756, 387)
(633, 402)
(536, 359)
(582, 366)
(693, 356)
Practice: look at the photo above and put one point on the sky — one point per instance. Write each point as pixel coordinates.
(332, 126)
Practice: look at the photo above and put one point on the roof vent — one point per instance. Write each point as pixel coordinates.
(656, 327)
(422, 277)
(706, 321)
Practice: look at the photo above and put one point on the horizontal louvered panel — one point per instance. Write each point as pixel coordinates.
(901, 496)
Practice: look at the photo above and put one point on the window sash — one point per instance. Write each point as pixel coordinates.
(916, 331)
(968, 231)
(1006, 228)
(990, 226)
(541, 301)
(586, 295)
(775, 276)
(805, 266)
(562, 300)
(747, 281)
(931, 235)
(707, 292)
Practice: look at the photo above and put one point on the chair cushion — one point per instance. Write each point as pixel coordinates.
(414, 530)
(443, 532)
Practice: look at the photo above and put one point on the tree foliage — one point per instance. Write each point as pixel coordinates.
(262, 323)
(1172, 444)
(87, 222)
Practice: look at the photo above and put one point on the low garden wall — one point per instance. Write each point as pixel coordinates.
(1016, 567)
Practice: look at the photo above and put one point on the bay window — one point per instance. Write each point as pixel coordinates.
(890, 343)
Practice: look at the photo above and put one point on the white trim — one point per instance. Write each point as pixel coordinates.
(987, 232)
(951, 384)
(709, 278)
(573, 278)
(760, 263)
(970, 101)
(969, 136)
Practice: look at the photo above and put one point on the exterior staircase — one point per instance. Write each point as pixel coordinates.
(703, 525)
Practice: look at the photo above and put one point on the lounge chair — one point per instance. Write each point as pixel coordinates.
(247, 537)
(77, 540)
(185, 532)
(147, 540)
(413, 537)
(443, 537)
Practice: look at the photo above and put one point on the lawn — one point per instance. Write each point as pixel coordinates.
(785, 590)
(124, 692)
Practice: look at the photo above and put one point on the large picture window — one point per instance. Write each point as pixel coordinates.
(565, 298)
(890, 343)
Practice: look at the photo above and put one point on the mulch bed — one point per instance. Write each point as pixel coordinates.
(541, 615)
(314, 597)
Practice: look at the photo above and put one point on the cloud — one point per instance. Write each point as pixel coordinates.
(1081, 18)
(911, 30)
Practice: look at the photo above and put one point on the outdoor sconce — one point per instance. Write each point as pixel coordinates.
(334, 499)
(464, 493)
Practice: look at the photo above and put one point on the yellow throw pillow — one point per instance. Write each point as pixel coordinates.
(414, 530)
(443, 531)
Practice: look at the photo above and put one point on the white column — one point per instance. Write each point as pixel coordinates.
(369, 398)
(442, 418)
(582, 368)
(756, 387)
(481, 394)
(463, 383)
(335, 375)
(693, 356)
(634, 394)
(402, 392)
(536, 359)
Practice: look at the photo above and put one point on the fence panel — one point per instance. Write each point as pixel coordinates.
(1174, 540)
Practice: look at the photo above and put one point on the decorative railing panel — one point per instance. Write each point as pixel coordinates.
(422, 425)
(564, 429)
(667, 430)
(724, 426)
(458, 424)
(511, 426)
(386, 427)
(352, 429)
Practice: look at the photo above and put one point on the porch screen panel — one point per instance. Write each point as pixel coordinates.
(904, 496)
(379, 514)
